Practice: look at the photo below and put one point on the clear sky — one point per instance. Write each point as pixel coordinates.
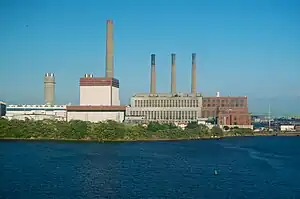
(243, 47)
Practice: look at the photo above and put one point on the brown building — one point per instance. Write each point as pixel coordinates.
(229, 110)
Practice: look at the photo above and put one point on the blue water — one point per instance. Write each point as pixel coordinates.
(254, 167)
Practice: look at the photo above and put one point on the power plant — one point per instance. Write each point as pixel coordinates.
(173, 107)
(99, 96)
(99, 99)
(49, 88)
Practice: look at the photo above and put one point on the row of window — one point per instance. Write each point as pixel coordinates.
(234, 101)
(241, 120)
(166, 103)
(207, 114)
(225, 105)
(34, 109)
(166, 115)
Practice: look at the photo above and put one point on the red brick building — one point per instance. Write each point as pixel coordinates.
(229, 110)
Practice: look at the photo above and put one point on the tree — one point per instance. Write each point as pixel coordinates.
(192, 125)
(217, 131)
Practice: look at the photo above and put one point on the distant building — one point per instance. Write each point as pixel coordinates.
(2, 109)
(165, 108)
(96, 113)
(287, 128)
(36, 112)
(228, 110)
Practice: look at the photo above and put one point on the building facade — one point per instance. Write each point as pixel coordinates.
(36, 112)
(2, 109)
(96, 113)
(99, 91)
(228, 110)
(165, 108)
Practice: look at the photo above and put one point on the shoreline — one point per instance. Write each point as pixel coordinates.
(296, 134)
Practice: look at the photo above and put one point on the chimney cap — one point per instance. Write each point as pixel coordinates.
(109, 21)
(152, 59)
(49, 74)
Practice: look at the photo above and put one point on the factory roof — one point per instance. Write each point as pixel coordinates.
(96, 108)
(36, 106)
(166, 95)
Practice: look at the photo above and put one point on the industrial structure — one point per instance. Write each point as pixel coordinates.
(99, 96)
(39, 112)
(228, 111)
(36, 112)
(49, 88)
(100, 100)
(2, 109)
(173, 107)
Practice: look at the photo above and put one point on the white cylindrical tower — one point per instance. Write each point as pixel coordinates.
(49, 88)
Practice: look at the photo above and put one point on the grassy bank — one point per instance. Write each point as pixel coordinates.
(107, 131)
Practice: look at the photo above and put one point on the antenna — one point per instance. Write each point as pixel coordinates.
(269, 116)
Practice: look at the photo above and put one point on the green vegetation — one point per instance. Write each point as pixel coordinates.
(106, 131)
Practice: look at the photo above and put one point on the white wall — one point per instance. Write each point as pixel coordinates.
(115, 97)
(37, 114)
(96, 116)
(95, 95)
(287, 128)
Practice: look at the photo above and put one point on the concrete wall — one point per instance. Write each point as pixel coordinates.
(115, 96)
(37, 114)
(95, 95)
(49, 88)
(96, 116)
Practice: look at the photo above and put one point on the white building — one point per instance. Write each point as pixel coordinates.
(99, 101)
(287, 128)
(36, 112)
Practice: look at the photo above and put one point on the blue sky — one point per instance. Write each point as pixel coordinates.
(243, 47)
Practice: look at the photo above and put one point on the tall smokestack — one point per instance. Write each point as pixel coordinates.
(173, 73)
(193, 89)
(49, 88)
(109, 73)
(153, 75)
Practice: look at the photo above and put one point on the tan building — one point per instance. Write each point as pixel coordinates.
(49, 88)
(170, 107)
(165, 108)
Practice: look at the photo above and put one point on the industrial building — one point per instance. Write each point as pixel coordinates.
(39, 112)
(173, 107)
(229, 111)
(49, 88)
(36, 112)
(2, 109)
(99, 96)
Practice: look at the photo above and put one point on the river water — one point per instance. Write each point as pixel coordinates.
(249, 167)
